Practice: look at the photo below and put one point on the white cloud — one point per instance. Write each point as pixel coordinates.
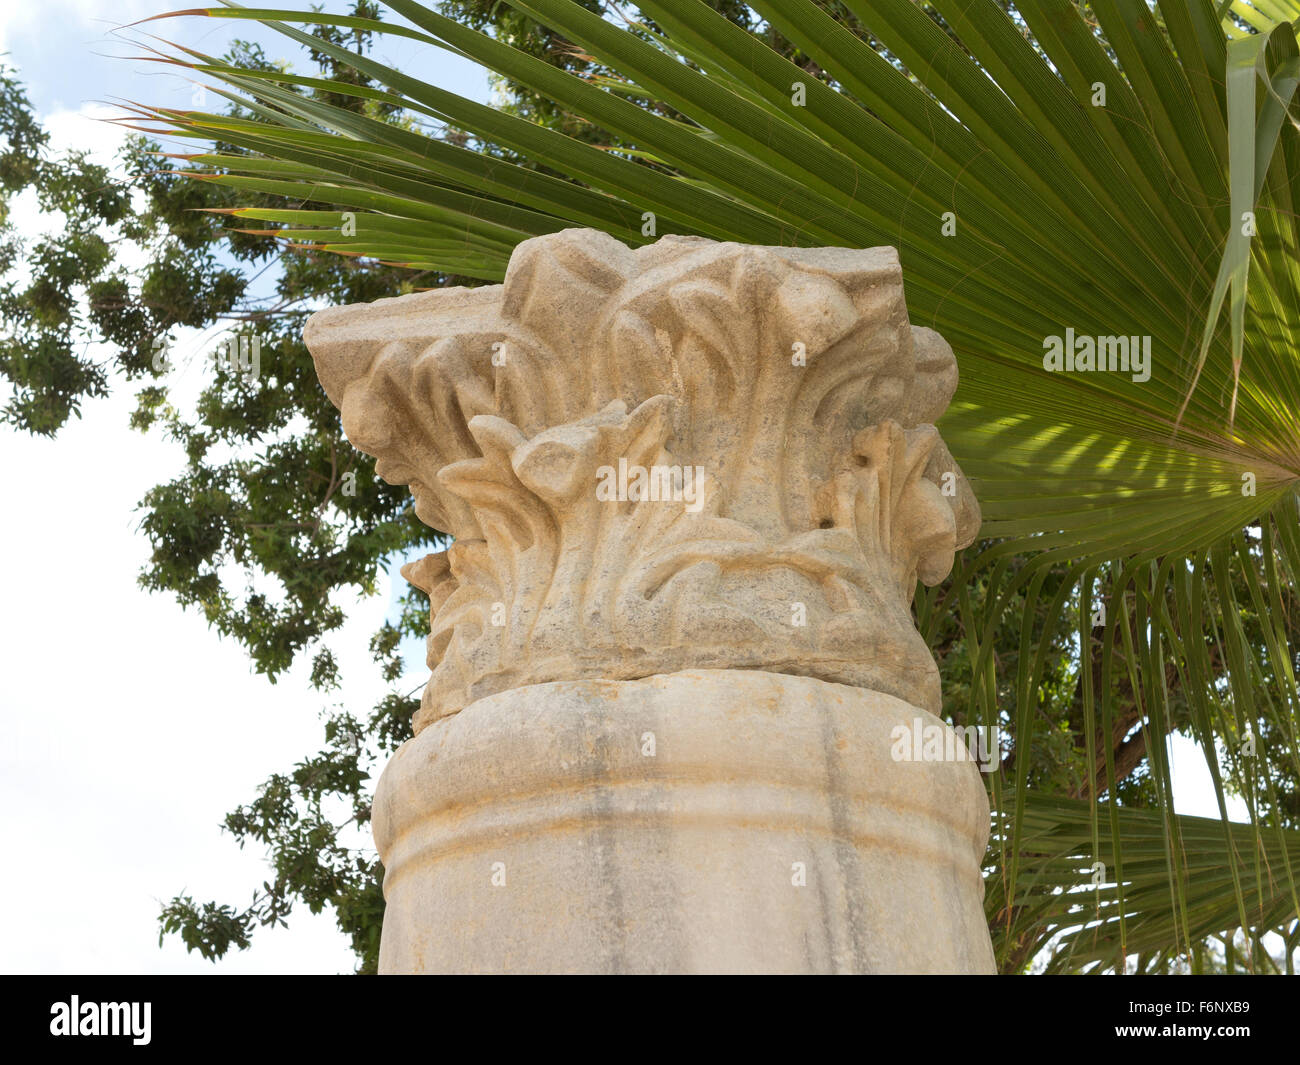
(86, 129)
(130, 728)
(1194, 787)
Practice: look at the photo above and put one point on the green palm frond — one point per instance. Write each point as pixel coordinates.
(1071, 907)
(1106, 219)
(1112, 170)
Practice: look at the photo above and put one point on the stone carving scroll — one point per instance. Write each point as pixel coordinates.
(688, 455)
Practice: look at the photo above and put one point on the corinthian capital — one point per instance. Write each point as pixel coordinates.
(692, 454)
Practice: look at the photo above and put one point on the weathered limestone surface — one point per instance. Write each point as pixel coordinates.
(769, 832)
(691, 488)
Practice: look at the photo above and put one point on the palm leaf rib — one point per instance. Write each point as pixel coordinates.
(1129, 178)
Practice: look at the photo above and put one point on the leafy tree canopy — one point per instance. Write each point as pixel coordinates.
(272, 490)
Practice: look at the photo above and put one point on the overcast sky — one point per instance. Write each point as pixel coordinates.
(129, 729)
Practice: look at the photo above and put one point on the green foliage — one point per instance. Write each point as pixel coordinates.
(1099, 493)
(271, 490)
(311, 822)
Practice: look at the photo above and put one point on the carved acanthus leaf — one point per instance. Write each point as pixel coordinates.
(690, 454)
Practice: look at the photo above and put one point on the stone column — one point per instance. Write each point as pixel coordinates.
(677, 695)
